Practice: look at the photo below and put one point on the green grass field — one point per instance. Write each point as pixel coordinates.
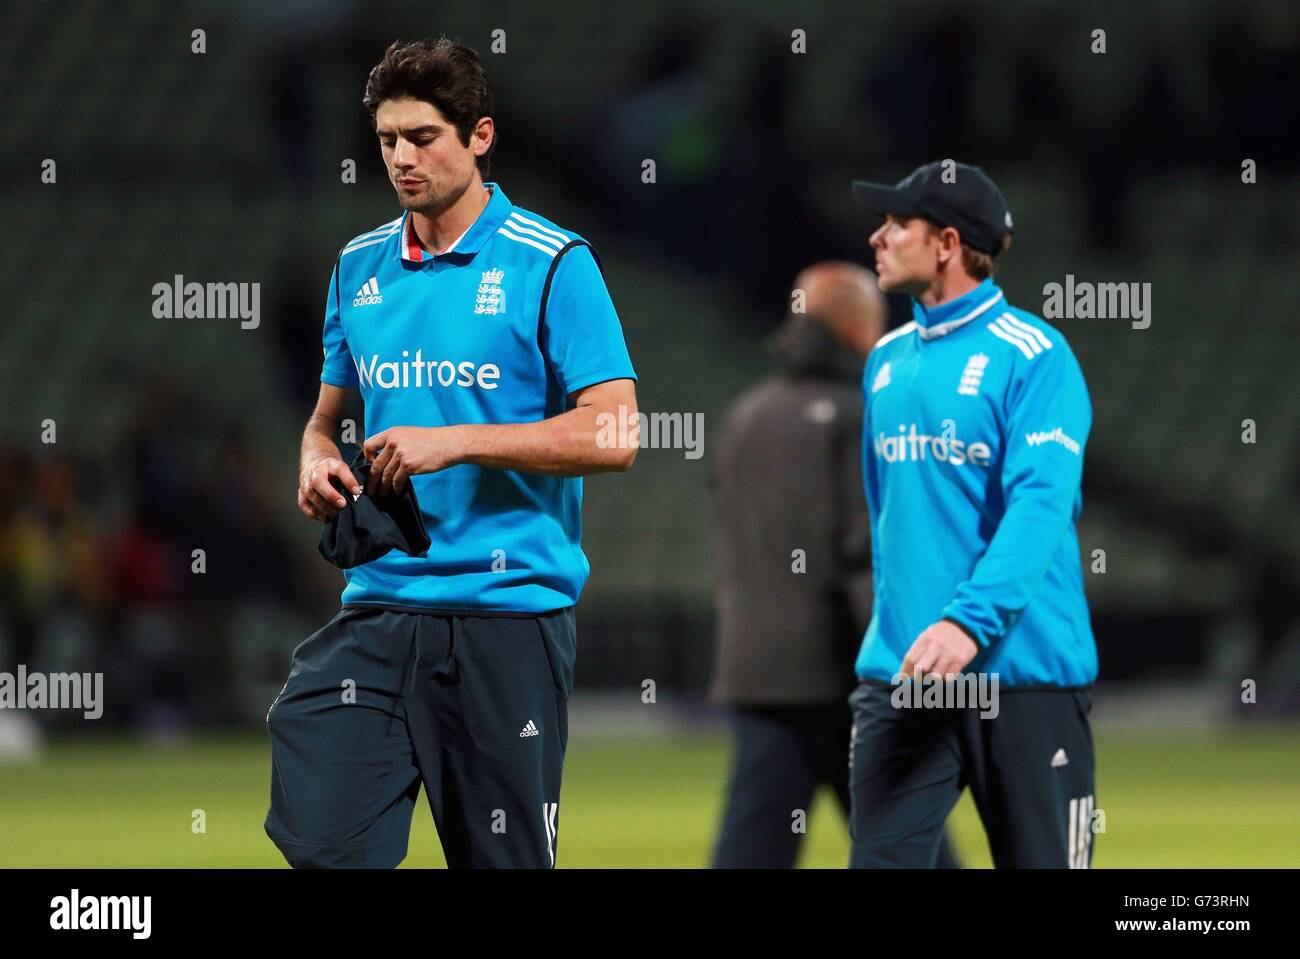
(1182, 800)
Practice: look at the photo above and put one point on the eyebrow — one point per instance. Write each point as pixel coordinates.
(414, 131)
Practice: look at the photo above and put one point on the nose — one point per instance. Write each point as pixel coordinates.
(878, 238)
(403, 154)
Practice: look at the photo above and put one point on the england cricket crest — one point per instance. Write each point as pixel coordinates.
(491, 298)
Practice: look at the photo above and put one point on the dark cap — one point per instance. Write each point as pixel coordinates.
(368, 527)
(971, 202)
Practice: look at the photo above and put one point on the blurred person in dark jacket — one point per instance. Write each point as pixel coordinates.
(794, 567)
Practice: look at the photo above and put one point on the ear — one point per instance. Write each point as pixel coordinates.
(949, 244)
(483, 135)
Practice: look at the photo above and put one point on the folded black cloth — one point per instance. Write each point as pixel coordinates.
(370, 526)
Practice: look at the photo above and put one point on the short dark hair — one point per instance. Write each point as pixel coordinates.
(447, 74)
(979, 265)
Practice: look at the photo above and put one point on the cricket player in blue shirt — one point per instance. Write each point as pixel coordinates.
(977, 665)
(493, 370)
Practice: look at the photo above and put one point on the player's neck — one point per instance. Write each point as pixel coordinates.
(438, 230)
(946, 288)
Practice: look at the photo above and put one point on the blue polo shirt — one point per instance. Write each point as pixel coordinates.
(438, 340)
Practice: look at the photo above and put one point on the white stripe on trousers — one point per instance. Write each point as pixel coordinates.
(549, 811)
(1079, 841)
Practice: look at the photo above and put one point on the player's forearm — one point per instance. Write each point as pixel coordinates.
(318, 440)
(1012, 568)
(570, 444)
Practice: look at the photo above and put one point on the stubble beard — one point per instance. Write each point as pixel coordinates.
(431, 201)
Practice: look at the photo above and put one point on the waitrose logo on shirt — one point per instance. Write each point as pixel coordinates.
(418, 373)
(909, 445)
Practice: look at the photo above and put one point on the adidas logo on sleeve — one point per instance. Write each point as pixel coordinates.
(530, 729)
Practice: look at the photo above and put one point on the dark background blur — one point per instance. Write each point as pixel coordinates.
(224, 166)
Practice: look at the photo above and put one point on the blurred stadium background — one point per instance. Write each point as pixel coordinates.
(182, 434)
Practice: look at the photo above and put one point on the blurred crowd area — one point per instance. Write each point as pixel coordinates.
(181, 435)
(164, 569)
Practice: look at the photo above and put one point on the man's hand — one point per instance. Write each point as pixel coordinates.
(404, 451)
(316, 496)
(943, 649)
